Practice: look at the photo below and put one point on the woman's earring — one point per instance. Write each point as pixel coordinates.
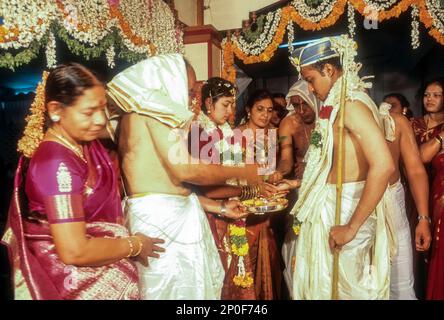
(248, 115)
(55, 118)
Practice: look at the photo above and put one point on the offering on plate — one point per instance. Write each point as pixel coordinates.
(263, 205)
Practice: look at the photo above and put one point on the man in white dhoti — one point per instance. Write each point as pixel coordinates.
(294, 135)
(363, 238)
(404, 150)
(154, 95)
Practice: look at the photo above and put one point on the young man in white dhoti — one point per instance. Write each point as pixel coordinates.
(154, 95)
(404, 150)
(362, 239)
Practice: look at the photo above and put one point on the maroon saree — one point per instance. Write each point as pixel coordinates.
(263, 261)
(435, 281)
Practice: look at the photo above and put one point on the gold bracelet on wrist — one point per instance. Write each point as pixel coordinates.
(255, 195)
(223, 208)
(242, 196)
(140, 247)
(245, 192)
(131, 245)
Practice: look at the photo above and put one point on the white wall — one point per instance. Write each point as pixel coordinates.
(197, 54)
(228, 14)
(187, 10)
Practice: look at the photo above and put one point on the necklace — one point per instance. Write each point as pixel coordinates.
(68, 144)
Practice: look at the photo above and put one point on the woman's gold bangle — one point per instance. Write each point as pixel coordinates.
(131, 245)
(140, 246)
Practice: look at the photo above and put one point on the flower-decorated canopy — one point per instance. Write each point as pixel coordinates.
(130, 29)
(261, 44)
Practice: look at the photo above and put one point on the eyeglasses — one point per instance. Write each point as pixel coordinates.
(433, 94)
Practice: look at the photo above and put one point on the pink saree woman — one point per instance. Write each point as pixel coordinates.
(56, 186)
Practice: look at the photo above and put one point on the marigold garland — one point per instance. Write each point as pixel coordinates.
(126, 29)
(33, 133)
(244, 281)
(337, 10)
(290, 13)
(8, 34)
(91, 35)
(228, 70)
(240, 248)
(66, 15)
(428, 21)
(239, 242)
(394, 12)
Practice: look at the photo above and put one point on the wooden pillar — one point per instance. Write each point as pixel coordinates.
(200, 12)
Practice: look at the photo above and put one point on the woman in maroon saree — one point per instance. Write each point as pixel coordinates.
(65, 232)
(264, 254)
(429, 131)
(216, 135)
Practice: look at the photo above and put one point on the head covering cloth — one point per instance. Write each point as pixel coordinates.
(300, 88)
(156, 87)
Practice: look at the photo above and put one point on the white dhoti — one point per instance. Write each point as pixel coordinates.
(364, 263)
(289, 257)
(289, 254)
(190, 268)
(401, 280)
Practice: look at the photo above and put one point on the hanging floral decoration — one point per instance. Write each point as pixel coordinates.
(130, 29)
(240, 248)
(431, 14)
(351, 20)
(290, 36)
(415, 28)
(35, 122)
(312, 15)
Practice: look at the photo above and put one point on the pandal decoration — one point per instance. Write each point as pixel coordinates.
(317, 15)
(135, 29)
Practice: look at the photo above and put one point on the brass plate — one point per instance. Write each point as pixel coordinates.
(261, 205)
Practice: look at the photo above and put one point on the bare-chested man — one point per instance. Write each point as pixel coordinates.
(154, 95)
(295, 130)
(362, 237)
(404, 150)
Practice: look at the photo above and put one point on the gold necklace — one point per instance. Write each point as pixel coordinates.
(68, 144)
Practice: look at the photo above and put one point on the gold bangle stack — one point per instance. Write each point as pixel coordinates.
(131, 245)
(249, 192)
(130, 242)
